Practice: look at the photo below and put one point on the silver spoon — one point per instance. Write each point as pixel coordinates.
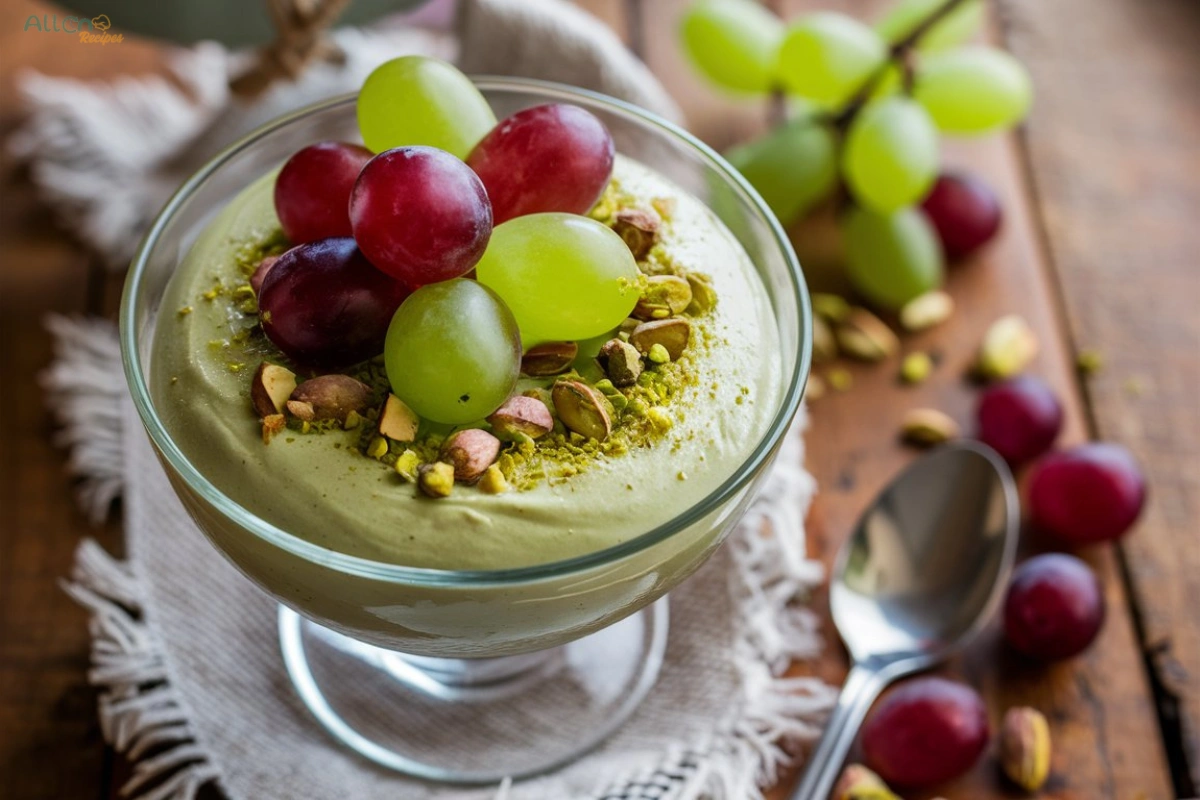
(919, 576)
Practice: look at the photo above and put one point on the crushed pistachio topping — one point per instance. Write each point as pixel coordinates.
(639, 388)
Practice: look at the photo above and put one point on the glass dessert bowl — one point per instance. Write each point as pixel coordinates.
(561, 648)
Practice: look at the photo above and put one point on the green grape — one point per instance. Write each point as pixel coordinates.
(564, 276)
(453, 352)
(959, 25)
(973, 89)
(421, 100)
(891, 154)
(827, 56)
(734, 43)
(793, 167)
(891, 258)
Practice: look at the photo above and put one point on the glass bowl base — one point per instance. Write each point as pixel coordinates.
(474, 720)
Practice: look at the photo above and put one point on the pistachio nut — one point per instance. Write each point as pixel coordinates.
(864, 336)
(549, 358)
(927, 310)
(673, 334)
(824, 343)
(620, 361)
(271, 425)
(663, 296)
(638, 228)
(332, 397)
(493, 481)
(830, 307)
(397, 421)
(1008, 347)
(582, 409)
(704, 296)
(270, 389)
(521, 418)
(916, 367)
(470, 452)
(436, 479)
(926, 427)
(859, 783)
(407, 464)
(1025, 747)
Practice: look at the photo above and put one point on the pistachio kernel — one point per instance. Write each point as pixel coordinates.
(333, 397)
(493, 481)
(840, 379)
(704, 296)
(638, 228)
(549, 358)
(397, 421)
(270, 389)
(407, 464)
(925, 311)
(521, 418)
(1008, 347)
(824, 343)
(620, 362)
(658, 354)
(833, 308)
(663, 296)
(673, 334)
(926, 427)
(582, 409)
(470, 452)
(864, 336)
(916, 367)
(1025, 747)
(377, 448)
(436, 479)
(859, 783)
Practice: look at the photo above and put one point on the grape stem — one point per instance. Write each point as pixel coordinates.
(898, 55)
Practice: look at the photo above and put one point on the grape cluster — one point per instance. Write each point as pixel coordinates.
(386, 237)
(866, 107)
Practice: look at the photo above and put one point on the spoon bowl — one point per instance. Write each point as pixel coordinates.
(921, 574)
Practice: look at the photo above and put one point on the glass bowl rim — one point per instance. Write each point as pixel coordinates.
(421, 576)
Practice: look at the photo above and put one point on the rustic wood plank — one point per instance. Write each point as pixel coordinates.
(1112, 146)
(50, 743)
(1105, 730)
(50, 740)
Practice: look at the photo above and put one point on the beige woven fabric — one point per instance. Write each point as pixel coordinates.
(186, 650)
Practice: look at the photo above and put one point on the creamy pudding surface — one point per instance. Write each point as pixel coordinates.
(321, 487)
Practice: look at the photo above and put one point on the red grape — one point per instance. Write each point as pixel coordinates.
(1054, 607)
(420, 215)
(324, 305)
(964, 211)
(1090, 493)
(926, 731)
(548, 158)
(312, 191)
(1020, 418)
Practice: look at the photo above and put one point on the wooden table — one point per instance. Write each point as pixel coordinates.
(1099, 251)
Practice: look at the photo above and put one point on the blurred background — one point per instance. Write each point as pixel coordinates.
(1100, 190)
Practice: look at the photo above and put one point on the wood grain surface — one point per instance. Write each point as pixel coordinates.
(1099, 250)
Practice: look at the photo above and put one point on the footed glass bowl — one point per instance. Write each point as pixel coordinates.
(390, 657)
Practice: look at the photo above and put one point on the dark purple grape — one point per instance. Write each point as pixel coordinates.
(324, 305)
(554, 157)
(420, 215)
(1020, 418)
(312, 192)
(1054, 607)
(926, 731)
(1090, 493)
(964, 211)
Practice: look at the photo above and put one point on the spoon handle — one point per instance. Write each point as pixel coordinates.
(862, 686)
